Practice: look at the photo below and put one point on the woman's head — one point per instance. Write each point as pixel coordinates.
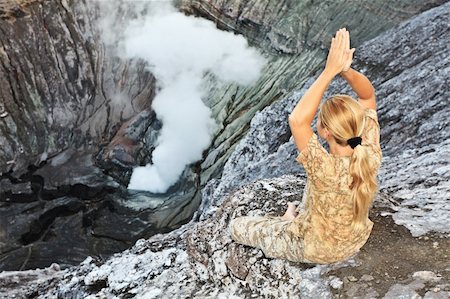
(342, 118)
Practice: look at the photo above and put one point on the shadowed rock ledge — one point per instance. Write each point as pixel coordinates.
(407, 253)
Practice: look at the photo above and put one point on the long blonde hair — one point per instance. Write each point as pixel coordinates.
(344, 118)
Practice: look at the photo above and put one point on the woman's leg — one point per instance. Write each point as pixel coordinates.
(249, 230)
(269, 234)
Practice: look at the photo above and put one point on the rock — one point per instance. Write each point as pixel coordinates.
(71, 168)
(208, 245)
(425, 281)
(293, 27)
(16, 188)
(199, 258)
(427, 276)
(366, 277)
(398, 291)
(81, 102)
(65, 89)
(14, 284)
(351, 278)
(336, 283)
(65, 102)
(79, 216)
(436, 295)
(130, 146)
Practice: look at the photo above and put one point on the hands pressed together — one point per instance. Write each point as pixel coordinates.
(339, 60)
(340, 55)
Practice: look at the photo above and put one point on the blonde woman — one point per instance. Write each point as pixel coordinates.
(341, 184)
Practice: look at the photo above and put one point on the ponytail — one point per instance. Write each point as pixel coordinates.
(363, 185)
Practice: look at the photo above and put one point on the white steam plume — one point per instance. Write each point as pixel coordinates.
(179, 51)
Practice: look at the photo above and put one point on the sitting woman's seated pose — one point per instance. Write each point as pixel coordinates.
(341, 184)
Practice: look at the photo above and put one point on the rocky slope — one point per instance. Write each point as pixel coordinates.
(74, 119)
(295, 35)
(61, 97)
(407, 254)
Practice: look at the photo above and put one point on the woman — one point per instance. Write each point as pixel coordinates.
(341, 184)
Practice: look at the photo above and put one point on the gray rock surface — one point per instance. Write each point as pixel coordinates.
(58, 89)
(75, 119)
(72, 119)
(200, 260)
(295, 36)
(411, 82)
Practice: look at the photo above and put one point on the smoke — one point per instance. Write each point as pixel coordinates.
(179, 50)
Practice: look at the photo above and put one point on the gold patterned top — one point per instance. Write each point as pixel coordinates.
(325, 221)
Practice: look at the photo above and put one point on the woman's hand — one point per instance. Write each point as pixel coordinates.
(290, 213)
(340, 55)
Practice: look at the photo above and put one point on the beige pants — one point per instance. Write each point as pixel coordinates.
(269, 234)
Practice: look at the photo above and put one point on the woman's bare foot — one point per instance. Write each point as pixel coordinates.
(290, 213)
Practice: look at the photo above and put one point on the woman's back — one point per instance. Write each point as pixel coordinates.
(325, 224)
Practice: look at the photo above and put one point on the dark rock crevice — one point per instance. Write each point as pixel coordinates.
(39, 227)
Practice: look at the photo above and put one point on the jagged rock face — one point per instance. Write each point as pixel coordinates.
(58, 90)
(62, 96)
(293, 27)
(200, 260)
(294, 35)
(64, 100)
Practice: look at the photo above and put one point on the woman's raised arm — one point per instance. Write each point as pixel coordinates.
(303, 114)
(362, 86)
